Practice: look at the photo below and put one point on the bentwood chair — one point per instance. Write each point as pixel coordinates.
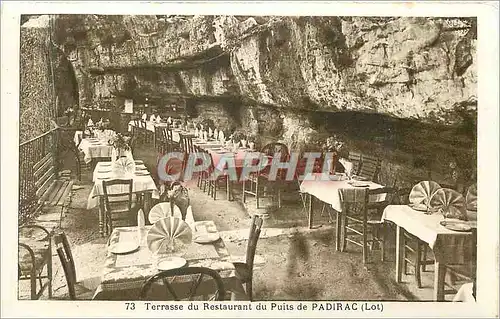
(355, 159)
(244, 271)
(76, 290)
(119, 206)
(359, 214)
(186, 283)
(262, 178)
(35, 259)
(370, 167)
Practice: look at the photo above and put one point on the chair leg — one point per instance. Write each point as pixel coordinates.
(382, 242)
(249, 289)
(405, 263)
(49, 270)
(33, 283)
(338, 231)
(214, 190)
(418, 258)
(343, 242)
(365, 244)
(257, 192)
(244, 197)
(424, 257)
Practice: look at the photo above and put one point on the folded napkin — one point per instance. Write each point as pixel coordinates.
(422, 192)
(168, 235)
(90, 123)
(124, 165)
(450, 203)
(169, 120)
(144, 116)
(152, 118)
(471, 198)
(158, 119)
(221, 136)
(347, 166)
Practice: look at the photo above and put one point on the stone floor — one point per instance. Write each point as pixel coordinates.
(295, 262)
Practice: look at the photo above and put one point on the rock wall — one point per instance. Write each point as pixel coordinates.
(36, 99)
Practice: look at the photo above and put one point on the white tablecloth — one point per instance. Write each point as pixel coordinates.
(95, 149)
(140, 184)
(327, 190)
(150, 126)
(445, 243)
(78, 137)
(464, 294)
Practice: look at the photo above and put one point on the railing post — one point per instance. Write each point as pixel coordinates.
(54, 150)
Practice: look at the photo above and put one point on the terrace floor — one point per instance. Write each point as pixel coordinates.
(297, 263)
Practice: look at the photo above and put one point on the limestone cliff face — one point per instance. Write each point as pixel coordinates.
(400, 87)
(417, 68)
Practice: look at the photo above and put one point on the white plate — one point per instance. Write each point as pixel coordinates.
(359, 184)
(171, 263)
(456, 225)
(123, 247)
(206, 238)
(104, 171)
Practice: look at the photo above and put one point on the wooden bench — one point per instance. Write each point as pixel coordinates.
(51, 190)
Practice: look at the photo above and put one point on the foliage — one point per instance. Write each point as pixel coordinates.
(120, 142)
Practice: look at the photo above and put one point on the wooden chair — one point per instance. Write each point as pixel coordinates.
(118, 206)
(464, 272)
(244, 271)
(261, 178)
(207, 182)
(76, 290)
(415, 250)
(35, 256)
(168, 142)
(370, 167)
(355, 159)
(357, 217)
(190, 283)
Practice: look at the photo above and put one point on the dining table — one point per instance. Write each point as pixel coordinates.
(94, 148)
(142, 184)
(124, 274)
(446, 244)
(325, 188)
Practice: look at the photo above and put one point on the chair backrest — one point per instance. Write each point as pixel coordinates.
(67, 262)
(189, 282)
(370, 167)
(355, 159)
(114, 201)
(356, 201)
(253, 238)
(186, 142)
(471, 197)
(274, 147)
(401, 196)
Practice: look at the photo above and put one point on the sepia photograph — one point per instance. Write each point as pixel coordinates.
(181, 160)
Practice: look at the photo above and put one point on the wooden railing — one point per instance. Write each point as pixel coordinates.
(30, 153)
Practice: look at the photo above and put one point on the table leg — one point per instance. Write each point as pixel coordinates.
(310, 198)
(399, 253)
(101, 216)
(439, 275)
